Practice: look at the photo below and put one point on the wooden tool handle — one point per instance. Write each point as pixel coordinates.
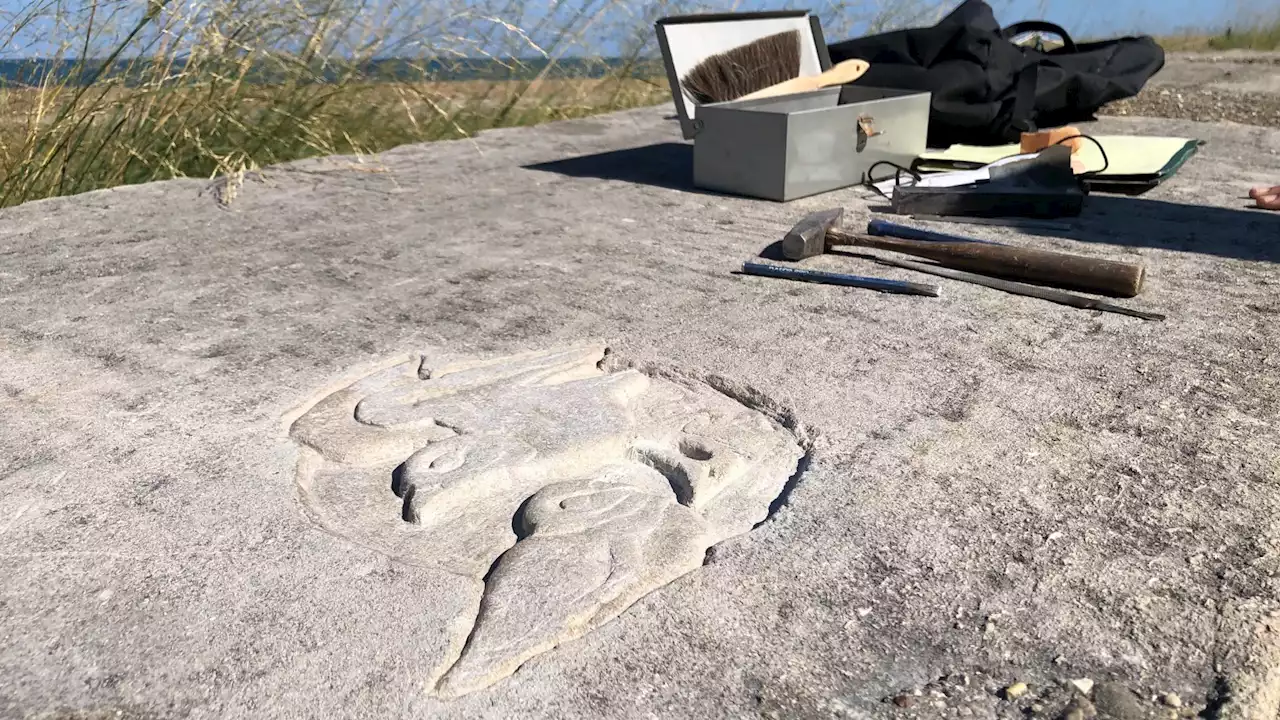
(1076, 272)
(839, 74)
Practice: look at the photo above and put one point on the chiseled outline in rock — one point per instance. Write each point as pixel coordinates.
(562, 491)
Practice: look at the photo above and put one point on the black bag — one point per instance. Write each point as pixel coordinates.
(987, 90)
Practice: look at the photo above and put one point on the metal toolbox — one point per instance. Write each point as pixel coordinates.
(790, 146)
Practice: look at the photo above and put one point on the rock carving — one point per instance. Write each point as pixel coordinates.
(563, 492)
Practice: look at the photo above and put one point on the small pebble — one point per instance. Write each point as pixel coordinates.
(1015, 691)
(1084, 685)
(1080, 709)
(1172, 700)
(1116, 701)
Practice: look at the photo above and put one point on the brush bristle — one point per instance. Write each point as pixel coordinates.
(743, 70)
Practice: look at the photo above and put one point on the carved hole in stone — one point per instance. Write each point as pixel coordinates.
(695, 450)
(518, 524)
(671, 469)
(398, 481)
(407, 513)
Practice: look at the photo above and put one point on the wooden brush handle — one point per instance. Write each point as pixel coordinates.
(839, 74)
(1076, 272)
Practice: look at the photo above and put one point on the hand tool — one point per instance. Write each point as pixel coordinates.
(884, 228)
(762, 68)
(745, 69)
(1028, 223)
(818, 231)
(1037, 141)
(839, 74)
(901, 287)
(1017, 288)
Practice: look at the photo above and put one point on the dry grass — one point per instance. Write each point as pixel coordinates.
(551, 99)
(218, 87)
(1262, 36)
(195, 140)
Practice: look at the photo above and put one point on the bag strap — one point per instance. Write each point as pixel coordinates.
(1024, 99)
(1041, 26)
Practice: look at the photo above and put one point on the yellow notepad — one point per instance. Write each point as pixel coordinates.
(1128, 156)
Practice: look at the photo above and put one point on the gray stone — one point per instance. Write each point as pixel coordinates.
(1115, 701)
(1079, 708)
(565, 491)
(159, 558)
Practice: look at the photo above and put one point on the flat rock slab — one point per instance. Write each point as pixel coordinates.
(1238, 70)
(997, 490)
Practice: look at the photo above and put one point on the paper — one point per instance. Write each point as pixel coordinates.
(1127, 155)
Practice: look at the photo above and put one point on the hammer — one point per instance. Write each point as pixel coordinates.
(819, 231)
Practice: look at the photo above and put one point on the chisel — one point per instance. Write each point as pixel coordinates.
(901, 287)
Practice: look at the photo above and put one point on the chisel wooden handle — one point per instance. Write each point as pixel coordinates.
(1075, 272)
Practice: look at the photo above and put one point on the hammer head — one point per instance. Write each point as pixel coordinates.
(809, 236)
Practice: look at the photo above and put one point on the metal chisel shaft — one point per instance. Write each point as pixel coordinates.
(881, 284)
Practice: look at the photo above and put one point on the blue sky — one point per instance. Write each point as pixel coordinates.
(1100, 17)
(1113, 17)
(1083, 18)
(1094, 17)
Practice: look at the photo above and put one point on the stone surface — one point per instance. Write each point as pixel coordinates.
(158, 560)
(1080, 708)
(562, 491)
(1115, 701)
(1238, 86)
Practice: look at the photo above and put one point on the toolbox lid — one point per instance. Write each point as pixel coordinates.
(686, 40)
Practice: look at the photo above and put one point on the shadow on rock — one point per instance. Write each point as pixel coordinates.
(1242, 233)
(666, 165)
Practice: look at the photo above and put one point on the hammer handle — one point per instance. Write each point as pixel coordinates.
(1076, 272)
(1057, 296)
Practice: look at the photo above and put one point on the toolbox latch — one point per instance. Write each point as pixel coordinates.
(866, 130)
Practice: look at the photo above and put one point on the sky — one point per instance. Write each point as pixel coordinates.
(1115, 17)
(1092, 17)
(1082, 18)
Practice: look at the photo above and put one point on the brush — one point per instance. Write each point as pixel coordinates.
(839, 74)
(767, 67)
(758, 65)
